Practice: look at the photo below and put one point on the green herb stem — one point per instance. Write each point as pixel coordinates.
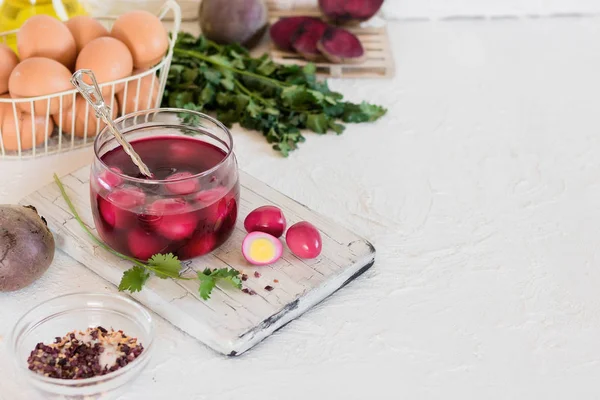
(200, 56)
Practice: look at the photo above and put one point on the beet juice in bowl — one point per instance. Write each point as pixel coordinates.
(189, 206)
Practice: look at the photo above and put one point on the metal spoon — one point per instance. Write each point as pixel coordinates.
(93, 95)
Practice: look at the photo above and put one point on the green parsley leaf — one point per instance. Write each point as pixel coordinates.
(309, 69)
(189, 75)
(337, 128)
(179, 99)
(208, 280)
(165, 265)
(318, 123)
(207, 94)
(363, 112)
(230, 275)
(297, 96)
(253, 109)
(267, 67)
(134, 279)
(212, 75)
(207, 284)
(227, 83)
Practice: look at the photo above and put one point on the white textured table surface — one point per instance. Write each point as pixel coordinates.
(480, 192)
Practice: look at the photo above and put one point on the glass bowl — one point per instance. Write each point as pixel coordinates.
(189, 207)
(61, 315)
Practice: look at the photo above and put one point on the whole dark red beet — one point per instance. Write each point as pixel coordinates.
(349, 11)
(26, 247)
(341, 46)
(234, 21)
(283, 31)
(306, 37)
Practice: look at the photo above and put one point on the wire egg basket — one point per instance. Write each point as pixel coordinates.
(42, 135)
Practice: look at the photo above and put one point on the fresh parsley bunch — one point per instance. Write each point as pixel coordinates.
(277, 100)
(162, 266)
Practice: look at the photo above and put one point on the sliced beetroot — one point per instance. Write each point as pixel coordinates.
(306, 37)
(341, 46)
(283, 31)
(349, 11)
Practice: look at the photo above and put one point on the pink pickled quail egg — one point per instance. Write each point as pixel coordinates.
(267, 219)
(144, 245)
(304, 240)
(184, 183)
(117, 208)
(260, 248)
(174, 218)
(200, 244)
(110, 179)
(210, 196)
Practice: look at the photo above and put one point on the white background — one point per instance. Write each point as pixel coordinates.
(434, 9)
(450, 8)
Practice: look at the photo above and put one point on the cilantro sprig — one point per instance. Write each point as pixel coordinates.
(277, 100)
(208, 280)
(163, 266)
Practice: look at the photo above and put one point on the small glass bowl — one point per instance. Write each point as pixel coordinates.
(78, 311)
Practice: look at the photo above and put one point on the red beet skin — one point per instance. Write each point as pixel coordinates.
(283, 31)
(306, 37)
(350, 11)
(341, 46)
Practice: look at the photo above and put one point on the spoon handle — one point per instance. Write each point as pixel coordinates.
(93, 95)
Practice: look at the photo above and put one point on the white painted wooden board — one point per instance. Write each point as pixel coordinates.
(232, 321)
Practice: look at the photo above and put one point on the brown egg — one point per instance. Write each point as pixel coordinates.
(44, 36)
(80, 114)
(110, 60)
(27, 125)
(146, 98)
(39, 77)
(4, 107)
(8, 61)
(144, 34)
(85, 29)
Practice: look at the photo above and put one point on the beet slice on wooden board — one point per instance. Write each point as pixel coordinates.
(349, 11)
(283, 31)
(341, 46)
(306, 37)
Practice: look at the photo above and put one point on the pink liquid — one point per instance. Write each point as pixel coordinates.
(188, 218)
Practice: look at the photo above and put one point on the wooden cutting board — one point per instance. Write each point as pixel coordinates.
(232, 321)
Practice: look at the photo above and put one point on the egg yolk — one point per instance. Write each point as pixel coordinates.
(262, 250)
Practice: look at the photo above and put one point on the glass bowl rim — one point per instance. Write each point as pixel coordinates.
(218, 124)
(86, 381)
